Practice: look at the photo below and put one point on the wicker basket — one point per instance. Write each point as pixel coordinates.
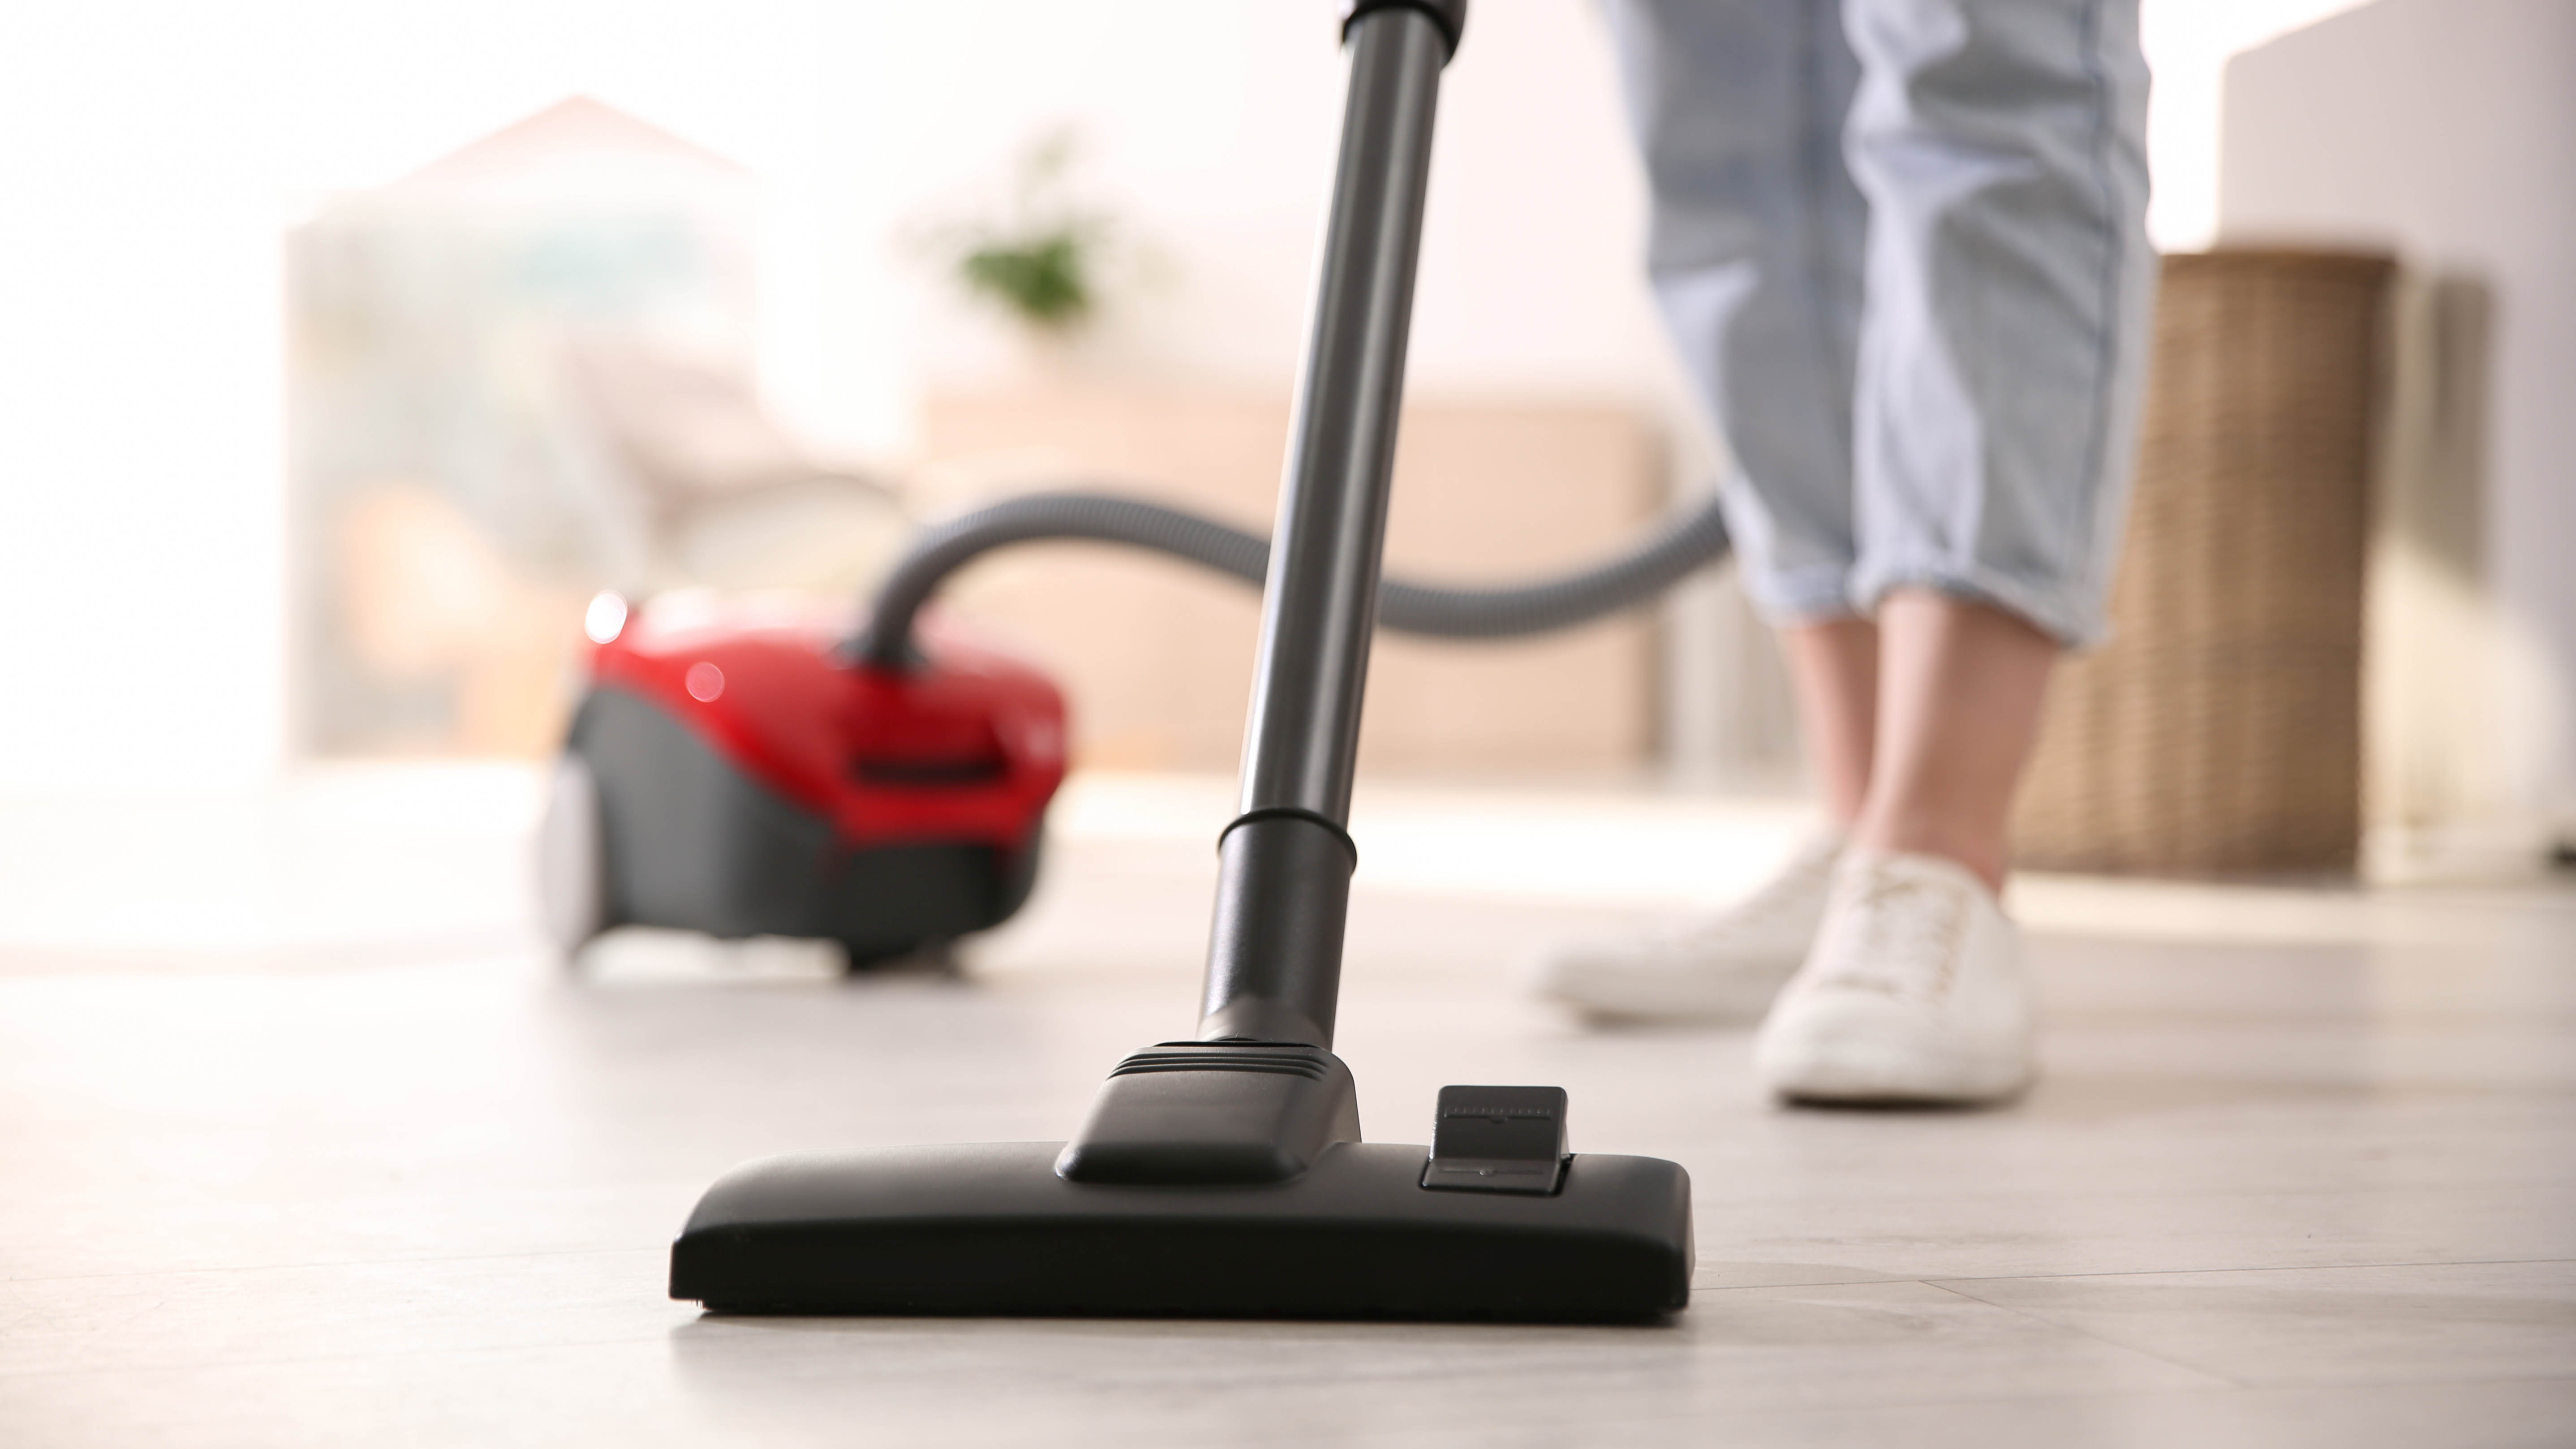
(2219, 731)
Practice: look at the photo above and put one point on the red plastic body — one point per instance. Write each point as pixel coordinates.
(968, 746)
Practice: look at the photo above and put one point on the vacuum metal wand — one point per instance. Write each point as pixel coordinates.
(1275, 953)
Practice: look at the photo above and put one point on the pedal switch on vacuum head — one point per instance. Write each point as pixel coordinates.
(1498, 1139)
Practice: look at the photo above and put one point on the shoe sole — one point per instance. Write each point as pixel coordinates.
(1615, 1007)
(1875, 1079)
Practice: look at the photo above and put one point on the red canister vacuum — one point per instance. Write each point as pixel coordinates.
(731, 771)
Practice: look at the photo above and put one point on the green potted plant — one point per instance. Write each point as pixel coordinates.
(1038, 258)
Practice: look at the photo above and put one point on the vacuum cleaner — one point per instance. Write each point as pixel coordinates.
(730, 772)
(886, 788)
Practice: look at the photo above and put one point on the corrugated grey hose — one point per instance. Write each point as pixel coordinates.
(1688, 539)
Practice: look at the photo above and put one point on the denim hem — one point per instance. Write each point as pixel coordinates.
(1799, 596)
(2075, 623)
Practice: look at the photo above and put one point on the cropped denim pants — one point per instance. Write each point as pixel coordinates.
(1901, 246)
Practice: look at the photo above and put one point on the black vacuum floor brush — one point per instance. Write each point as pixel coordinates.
(1225, 1176)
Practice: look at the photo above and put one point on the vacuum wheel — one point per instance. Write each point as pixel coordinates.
(572, 870)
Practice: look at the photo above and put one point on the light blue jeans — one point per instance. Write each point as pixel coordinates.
(1901, 246)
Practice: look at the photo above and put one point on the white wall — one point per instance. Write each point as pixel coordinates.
(2188, 44)
(2446, 130)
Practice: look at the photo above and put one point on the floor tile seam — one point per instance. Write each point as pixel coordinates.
(2220, 1380)
(2394, 1379)
(219, 1362)
(2267, 1381)
(2522, 1184)
(2118, 1194)
(1437, 1379)
(1901, 1405)
(2219, 1387)
(1706, 1212)
(1806, 1283)
(1791, 1413)
(1942, 1280)
(325, 965)
(12, 1280)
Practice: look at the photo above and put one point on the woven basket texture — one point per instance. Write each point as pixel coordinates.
(2219, 731)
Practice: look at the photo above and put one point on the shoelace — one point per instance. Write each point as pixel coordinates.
(1897, 934)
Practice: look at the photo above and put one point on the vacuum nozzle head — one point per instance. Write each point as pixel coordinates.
(990, 1228)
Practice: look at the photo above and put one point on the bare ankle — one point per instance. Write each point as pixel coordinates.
(1982, 856)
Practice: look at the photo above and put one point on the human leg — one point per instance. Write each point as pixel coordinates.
(1999, 143)
(1834, 666)
(1959, 706)
(1755, 255)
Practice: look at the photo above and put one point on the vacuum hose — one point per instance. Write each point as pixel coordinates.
(1687, 539)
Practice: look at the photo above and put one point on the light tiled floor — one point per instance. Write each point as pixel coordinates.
(303, 1142)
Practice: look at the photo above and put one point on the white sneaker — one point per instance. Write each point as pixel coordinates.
(1915, 993)
(1723, 967)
